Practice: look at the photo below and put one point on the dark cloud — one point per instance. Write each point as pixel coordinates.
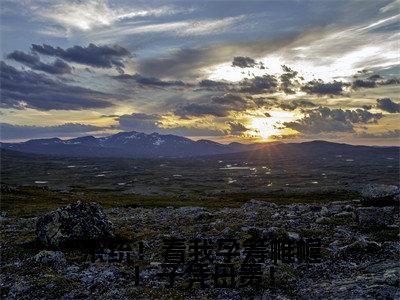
(388, 105)
(390, 81)
(243, 62)
(92, 55)
(139, 122)
(181, 63)
(21, 89)
(374, 77)
(324, 119)
(219, 106)
(152, 123)
(33, 61)
(321, 88)
(216, 85)
(236, 128)
(391, 134)
(373, 81)
(149, 81)
(296, 104)
(265, 102)
(10, 132)
(259, 84)
(232, 100)
(359, 83)
(200, 109)
(287, 83)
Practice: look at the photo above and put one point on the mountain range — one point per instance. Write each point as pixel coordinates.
(140, 145)
(127, 144)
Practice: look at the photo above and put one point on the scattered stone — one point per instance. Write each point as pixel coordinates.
(380, 195)
(375, 217)
(322, 220)
(344, 214)
(359, 247)
(79, 221)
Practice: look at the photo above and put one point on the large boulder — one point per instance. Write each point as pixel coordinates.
(75, 222)
(380, 195)
(53, 258)
(375, 217)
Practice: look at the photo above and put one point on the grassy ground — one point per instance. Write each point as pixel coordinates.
(33, 201)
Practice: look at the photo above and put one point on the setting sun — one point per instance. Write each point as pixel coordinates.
(263, 127)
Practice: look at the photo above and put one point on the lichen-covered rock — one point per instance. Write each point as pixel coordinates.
(369, 217)
(380, 195)
(79, 221)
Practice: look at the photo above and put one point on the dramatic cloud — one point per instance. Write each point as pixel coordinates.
(388, 105)
(89, 15)
(296, 104)
(10, 132)
(321, 88)
(233, 101)
(20, 89)
(391, 134)
(192, 63)
(149, 81)
(216, 85)
(236, 128)
(92, 55)
(259, 84)
(33, 62)
(374, 81)
(359, 83)
(243, 62)
(286, 78)
(324, 119)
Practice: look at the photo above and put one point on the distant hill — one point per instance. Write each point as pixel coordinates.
(140, 145)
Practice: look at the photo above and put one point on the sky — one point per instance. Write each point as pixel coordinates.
(244, 71)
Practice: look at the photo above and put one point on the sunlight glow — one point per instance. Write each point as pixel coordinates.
(263, 127)
(266, 127)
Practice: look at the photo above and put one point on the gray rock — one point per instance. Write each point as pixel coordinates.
(360, 246)
(335, 209)
(380, 195)
(79, 221)
(254, 231)
(392, 277)
(369, 217)
(294, 236)
(344, 214)
(54, 258)
(275, 233)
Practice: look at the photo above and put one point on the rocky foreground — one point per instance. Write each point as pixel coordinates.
(45, 257)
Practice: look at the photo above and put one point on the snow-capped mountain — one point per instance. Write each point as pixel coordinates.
(127, 144)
